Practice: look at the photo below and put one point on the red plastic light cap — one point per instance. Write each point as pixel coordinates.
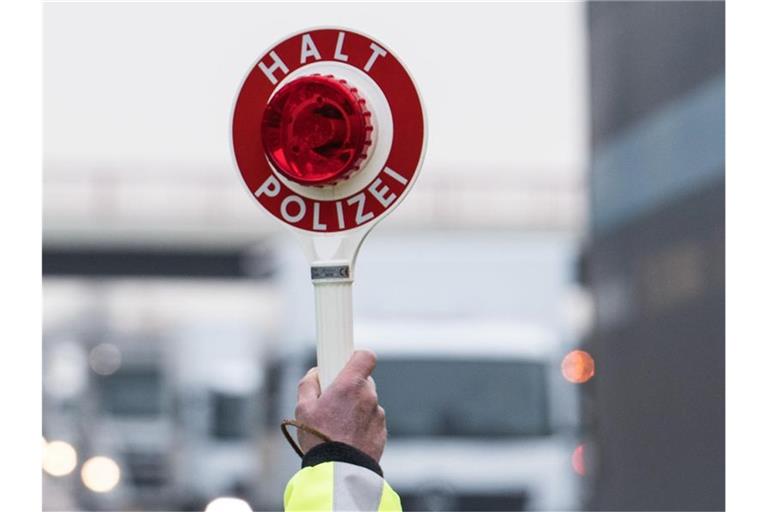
(316, 130)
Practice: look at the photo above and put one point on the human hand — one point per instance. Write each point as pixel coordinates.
(348, 411)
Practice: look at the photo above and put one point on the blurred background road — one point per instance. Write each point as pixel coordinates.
(554, 340)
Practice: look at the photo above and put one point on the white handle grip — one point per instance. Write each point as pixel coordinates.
(333, 311)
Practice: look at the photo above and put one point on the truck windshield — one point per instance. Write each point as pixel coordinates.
(229, 418)
(132, 392)
(459, 398)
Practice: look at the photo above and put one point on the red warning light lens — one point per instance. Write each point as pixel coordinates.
(316, 130)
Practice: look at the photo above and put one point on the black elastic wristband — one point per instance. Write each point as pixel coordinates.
(340, 452)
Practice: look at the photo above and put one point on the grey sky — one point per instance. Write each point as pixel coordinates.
(153, 84)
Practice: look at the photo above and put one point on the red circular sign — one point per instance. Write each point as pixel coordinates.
(399, 129)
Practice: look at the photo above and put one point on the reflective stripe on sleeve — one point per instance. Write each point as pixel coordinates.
(355, 488)
(338, 486)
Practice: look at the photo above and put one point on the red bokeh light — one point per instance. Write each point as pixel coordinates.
(316, 130)
(578, 366)
(577, 460)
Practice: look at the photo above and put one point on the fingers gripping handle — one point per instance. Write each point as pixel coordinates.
(333, 311)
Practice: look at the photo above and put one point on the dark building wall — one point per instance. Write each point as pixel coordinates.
(656, 408)
(645, 54)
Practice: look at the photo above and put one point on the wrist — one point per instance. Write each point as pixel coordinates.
(334, 451)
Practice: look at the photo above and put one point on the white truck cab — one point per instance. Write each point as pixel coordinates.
(478, 416)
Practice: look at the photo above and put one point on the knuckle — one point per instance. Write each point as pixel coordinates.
(344, 387)
(360, 383)
(370, 392)
(369, 403)
(352, 385)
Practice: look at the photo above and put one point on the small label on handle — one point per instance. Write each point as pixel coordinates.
(334, 272)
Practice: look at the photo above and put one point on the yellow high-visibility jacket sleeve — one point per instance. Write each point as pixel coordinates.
(335, 486)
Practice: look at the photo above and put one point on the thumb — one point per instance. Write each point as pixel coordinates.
(360, 365)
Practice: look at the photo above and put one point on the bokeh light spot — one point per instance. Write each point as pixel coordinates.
(59, 458)
(228, 505)
(100, 474)
(105, 359)
(578, 367)
(577, 460)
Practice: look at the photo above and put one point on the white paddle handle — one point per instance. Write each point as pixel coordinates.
(333, 311)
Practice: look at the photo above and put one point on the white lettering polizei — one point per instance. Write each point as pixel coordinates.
(338, 55)
(316, 224)
(270, 187)
(340, 214)
(284, 209)
(376, 52)
(308, 49)
(395, 176)
(360, 217)
(380, 192)
(277, 63)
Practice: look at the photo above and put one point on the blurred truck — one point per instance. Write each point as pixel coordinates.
(479, 417)
(178, 414)
(218, 374)
(130, 419)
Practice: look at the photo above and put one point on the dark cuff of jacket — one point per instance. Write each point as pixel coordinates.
(340, 452)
